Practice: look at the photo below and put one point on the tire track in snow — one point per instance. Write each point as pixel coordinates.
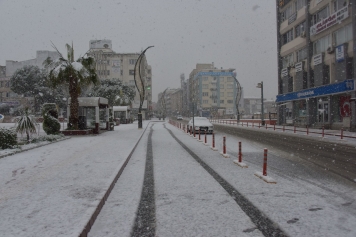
(263, 223)
(145, 223)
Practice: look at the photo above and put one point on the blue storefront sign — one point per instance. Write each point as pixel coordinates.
(215, 74)
(336, 88)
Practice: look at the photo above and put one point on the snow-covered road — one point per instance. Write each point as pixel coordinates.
(53, 190)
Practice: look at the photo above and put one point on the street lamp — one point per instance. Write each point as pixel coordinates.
(260, 85)
(140, 85)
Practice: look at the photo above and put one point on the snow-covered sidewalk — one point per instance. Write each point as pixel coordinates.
(53, 190)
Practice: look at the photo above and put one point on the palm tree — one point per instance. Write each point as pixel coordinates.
(25, 123)
(75, 74)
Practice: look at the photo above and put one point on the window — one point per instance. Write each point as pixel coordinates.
(0, 83)
(205, 86)
(131, 72)
(221, 86)
(205, 78)
(132, 61)
(230, 79)
(221, 101)
(222, 94)
(338, 4)
(287, 37)
(230, 101)
(299, 29)
(343, 35)
(121, 72)
(108, 72)
(230, 86)
(302, 54)
(290, 10)
(322, 14)
(205, 102)
(287, 60)
(299, 4)
(322, 44)
(230, 94)
(205, 93)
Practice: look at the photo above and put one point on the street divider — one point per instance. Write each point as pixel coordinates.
(239, 161)
(223, 153)
(263, 175)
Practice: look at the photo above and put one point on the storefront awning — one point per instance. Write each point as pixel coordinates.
(91, 101)
(336, 88)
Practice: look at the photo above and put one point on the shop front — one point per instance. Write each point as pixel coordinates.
(328, 106)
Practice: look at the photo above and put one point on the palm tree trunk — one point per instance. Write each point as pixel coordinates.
(74, 104)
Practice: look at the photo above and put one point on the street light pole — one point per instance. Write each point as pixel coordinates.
(260, 85)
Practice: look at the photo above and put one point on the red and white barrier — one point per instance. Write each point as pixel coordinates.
(263, 175)
(239, 161)
(213, 143)
(223, 153)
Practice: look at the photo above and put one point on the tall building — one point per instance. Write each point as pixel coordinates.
(316, 67)
(213, 92)
(112, 65)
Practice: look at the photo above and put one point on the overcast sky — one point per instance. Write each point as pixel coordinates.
(238, 34)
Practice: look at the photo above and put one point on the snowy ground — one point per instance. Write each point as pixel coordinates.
(51, 191)
(54, 189)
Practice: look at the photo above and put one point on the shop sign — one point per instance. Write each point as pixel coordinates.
(340, 53)
(292, 18)
(284, 72)
(333, 19)
(299, 67)
(318, 59)
(336, 88)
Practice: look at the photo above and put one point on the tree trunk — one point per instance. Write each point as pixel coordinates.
(74, 104)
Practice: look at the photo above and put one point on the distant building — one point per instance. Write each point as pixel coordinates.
(112, 65)
(6, 95)
(316, 67)
(213, 92)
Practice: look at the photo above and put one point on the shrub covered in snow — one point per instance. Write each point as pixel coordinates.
(51, 124)
(49, 138)
(25, 123)
(8, 138)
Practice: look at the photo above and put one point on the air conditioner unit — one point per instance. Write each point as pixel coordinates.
(303, 34)
(330, 50)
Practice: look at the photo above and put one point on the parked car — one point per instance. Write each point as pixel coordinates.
(179, 117)
(202, 124)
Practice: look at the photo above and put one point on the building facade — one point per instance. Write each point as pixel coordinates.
(316, 67)
(112, 65)
(213, 92)
(9, 97)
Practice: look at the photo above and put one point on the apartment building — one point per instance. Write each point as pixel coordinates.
(9, 97)
(112, 65)
(213, 92)
(316, 67)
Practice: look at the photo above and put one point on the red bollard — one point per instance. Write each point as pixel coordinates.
(199, 134)
(190, 130)
(205, 138)
(213, 140)
(265, 162)
(307, 130)
(224, 145)
(342, 133)
(274, 127)
(323, 132)
(240, 153)
(194, 132)
(294, 129)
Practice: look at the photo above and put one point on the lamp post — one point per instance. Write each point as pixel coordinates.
(260, 85)
(140, 85)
